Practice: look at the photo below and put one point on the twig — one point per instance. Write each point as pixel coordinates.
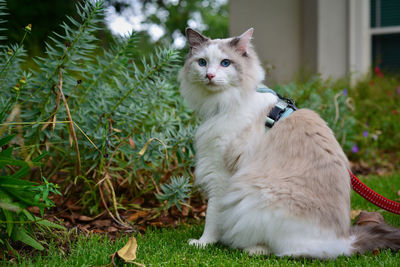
(155, 185)
(87, 137)
(55, 113)
(350, 103)
(118, 219)
(105, 205)
(143, 150)
(114, 199)
(113, 154)
(14, 113)
(47, 123)
(71, 125)
(336, 107)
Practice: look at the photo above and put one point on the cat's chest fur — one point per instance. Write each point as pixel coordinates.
(225, 137)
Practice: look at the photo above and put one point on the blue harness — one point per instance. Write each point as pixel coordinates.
(283, 108)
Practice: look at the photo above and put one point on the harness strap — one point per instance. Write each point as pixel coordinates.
(283, 108)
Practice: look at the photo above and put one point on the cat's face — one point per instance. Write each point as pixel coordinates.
(220, 64)
(213, 68)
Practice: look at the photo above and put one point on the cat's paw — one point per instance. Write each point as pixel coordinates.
(200, 243)
(257, 250)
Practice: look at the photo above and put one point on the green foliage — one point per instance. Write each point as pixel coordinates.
(377, 104)
(45, 15)
(177, 191)
(331, 101)
(114, 100)
(3, 12)
(16, 195)
(209, 16)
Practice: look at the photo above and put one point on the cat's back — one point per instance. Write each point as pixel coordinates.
(304, 170)
(305, 135)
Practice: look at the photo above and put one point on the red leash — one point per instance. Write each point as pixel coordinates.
(374, 197)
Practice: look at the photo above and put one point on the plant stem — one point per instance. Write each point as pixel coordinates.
(71, 125)
(14, 54)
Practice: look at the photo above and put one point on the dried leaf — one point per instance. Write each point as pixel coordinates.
(185, 211)
(138, 201)
(112, 229)
(131, 143)
(143, 150)
(369, 218)
(102, 223)
(85, 218)
(128, 252)
(354, 214)
(138, 214)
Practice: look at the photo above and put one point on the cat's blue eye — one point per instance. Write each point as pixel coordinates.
(225, 62)
(202, 62)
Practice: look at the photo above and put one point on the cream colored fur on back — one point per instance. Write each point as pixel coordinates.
(284, 191)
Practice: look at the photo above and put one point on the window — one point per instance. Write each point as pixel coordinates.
(385, 32)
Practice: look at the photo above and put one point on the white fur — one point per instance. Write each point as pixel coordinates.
(246, 220)
(234, 213)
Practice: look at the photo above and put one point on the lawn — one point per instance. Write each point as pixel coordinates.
(168, 246)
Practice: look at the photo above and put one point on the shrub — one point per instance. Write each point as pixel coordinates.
(377, 112)
(92, 109)
(16, 194)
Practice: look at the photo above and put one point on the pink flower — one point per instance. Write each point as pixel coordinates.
(378, 72)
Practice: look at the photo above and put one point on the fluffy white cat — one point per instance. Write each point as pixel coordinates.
(285, 190)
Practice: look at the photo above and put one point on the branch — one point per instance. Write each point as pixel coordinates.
(71, 123)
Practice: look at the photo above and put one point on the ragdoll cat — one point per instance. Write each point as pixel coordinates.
(284, 190)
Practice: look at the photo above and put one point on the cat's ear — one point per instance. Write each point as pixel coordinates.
(242, 42)
(195, 39)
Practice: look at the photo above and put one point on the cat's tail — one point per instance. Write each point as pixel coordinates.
(372, 237)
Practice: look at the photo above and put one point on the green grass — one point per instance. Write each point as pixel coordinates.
(169, 247)
(387, 186)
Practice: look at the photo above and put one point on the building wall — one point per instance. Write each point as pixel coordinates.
(277, 33)
(313, 36)
(332, 38)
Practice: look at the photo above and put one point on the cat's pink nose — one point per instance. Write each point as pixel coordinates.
(210, 76)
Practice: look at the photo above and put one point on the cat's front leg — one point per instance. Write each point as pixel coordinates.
(211, 233)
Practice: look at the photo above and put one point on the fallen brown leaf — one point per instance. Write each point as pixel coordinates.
(102, 223)
(354, 214)
(85, 218)
(369, 218)
(199, 209)
(112, 229)
(128, 252)
(72, 206)
(138, 214)
(159, 224)
(132, 143)
(138, 201)
(185, 211)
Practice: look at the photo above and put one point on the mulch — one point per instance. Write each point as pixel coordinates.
(70, 214)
